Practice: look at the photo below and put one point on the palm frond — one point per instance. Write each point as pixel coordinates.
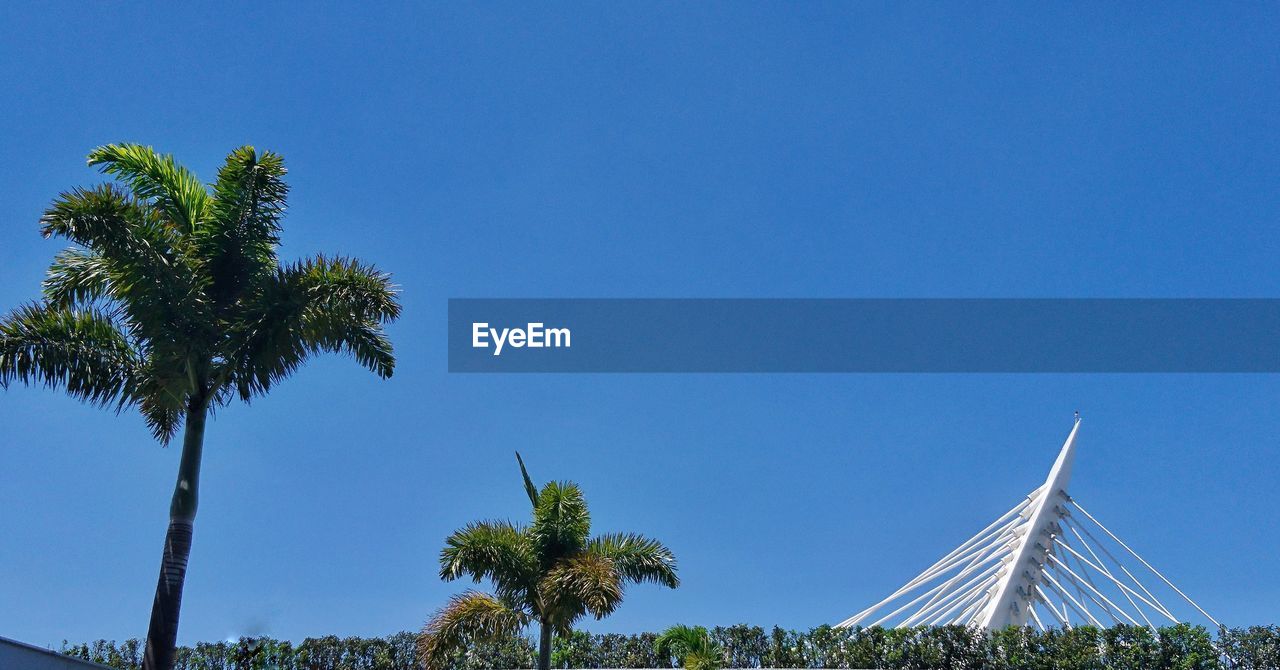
(322, 305)
(365, 341)
(77, 277)
(468, 618)
(678, 639)
(561, 521)
(156, 179)
(494, 550)
(80, 351)
(583, 582)
(637, 558)
(346, 286)
(528, 483)
(136, 259)
(161, 391)
(237, 244)
(692, 647)
(103, 217)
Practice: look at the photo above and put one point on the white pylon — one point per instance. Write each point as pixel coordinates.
(1036, 564)
(1010, 603)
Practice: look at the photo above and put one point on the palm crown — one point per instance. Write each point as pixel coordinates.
(174, 294)
(550, 571)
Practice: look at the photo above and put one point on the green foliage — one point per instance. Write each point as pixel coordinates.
(1130, 648)
(745, 646)
(172, 299)
(1187, 647)
(551, 572)
(395, 652)
(580, 649)
(690, 647)
(1252, 648)
(942, 648)
(82, 352)
(497, 654)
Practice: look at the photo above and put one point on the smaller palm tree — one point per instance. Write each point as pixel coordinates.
(691, 646)
(550, 572)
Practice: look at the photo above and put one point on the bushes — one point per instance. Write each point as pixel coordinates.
(1256, 648)
(609, 650)
(325, 653)
(1180, 647)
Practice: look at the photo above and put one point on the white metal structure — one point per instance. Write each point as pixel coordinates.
(1041, 563)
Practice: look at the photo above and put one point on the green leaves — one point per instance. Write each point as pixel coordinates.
(250, 196)
(103, 217)
(468, 618)
(585, 581)
(190, 283)
(561, 522)
(173, 300)
(1252, 648)
(528, 483)
(77, 276)
(550, 570)
(320, 305)
(494, 550)
(637, 558)
(346, 286)
(81, 351)
(238, 241)
(157, 180)
(692, 646)
(163, 390)
(129, 258)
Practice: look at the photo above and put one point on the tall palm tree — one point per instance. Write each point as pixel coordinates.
(172, 301)
(550, 572)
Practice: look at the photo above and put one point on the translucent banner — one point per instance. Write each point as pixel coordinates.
(864, 335)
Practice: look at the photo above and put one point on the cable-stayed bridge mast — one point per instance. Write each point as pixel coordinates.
(1046, 562)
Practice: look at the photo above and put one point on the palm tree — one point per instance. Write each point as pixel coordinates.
(172, 301)
(692, 646)
(549, 572)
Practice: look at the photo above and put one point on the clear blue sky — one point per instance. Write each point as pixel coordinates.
(665, 150)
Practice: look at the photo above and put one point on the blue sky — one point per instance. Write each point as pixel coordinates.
(659, 150)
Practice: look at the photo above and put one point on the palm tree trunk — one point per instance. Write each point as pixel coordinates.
(544, 648)
(162, 634)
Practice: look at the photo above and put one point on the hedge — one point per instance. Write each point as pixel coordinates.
(1180, 647)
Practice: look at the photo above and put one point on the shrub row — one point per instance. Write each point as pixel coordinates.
(1180, 647)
